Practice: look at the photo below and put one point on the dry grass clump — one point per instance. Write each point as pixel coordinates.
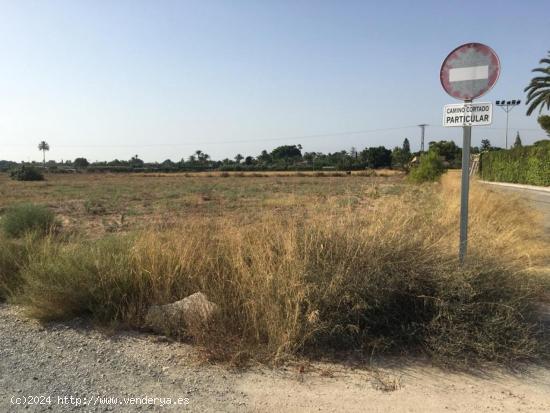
(382, 279)
(14, 255)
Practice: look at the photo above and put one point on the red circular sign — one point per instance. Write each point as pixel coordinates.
(469, 71)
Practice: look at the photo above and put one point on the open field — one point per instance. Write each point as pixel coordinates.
(299, 265)
(96, 204)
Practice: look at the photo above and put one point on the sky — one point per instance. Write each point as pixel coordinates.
(111, 79)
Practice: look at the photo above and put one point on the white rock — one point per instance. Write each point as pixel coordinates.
(193, 312)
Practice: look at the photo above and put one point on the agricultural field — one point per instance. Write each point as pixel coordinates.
(96, 204)
(300, 264)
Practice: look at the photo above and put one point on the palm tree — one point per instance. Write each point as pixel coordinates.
(201, 156)
(43, 146)
(538, 91)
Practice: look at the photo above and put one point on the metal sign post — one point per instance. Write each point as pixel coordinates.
(468, 72)
(464, 192)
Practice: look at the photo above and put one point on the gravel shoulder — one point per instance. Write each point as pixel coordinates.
(77, 360)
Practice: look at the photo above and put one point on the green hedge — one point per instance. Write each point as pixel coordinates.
(524, 165)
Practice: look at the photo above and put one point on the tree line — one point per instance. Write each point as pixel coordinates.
(285, 157)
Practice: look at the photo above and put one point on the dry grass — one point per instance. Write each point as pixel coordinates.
(94, 205)
(375, 277)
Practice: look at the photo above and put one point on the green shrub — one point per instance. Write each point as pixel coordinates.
(24, 218)
(26, 173)
(429, 169)
(523, 165)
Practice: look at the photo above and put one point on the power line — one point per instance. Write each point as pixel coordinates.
(323, 135)
(287, 138)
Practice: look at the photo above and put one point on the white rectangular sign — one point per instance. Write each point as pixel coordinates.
(468, 114)
(468, 73)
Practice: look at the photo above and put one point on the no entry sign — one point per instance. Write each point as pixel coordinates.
(469, 71)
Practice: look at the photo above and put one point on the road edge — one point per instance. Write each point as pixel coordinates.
(545, 189)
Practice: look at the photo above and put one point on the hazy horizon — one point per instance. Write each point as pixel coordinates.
(106, 80)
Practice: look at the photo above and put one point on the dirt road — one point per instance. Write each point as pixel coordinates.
(110, 373)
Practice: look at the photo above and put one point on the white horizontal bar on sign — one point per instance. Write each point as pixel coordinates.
(468, 73)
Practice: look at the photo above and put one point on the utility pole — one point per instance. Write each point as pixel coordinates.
(507, 106)
(422, 128)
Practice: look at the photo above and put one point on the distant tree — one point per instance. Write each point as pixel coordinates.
(168, 164)
(448, 150)
(116, 162)
(286, 152)
(135, 162)
(238, 158)
(43, 146)
(249, 160)
(544, 122)
(264, 157)
(485, 145)
(7, 165)
(399, 158)
(538, 91)
(406, 146)
(201, 157)
(517, 143)
(309, 157)
(376, 157)
(81, 163)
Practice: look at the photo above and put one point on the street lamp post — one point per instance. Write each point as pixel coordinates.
(507, 106)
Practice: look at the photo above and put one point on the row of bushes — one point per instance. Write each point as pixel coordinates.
(26, 173)
(523, 165)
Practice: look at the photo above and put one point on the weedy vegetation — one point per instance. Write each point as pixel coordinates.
(377, 275)
(22, 219)
(429, 169)
(26, 173)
